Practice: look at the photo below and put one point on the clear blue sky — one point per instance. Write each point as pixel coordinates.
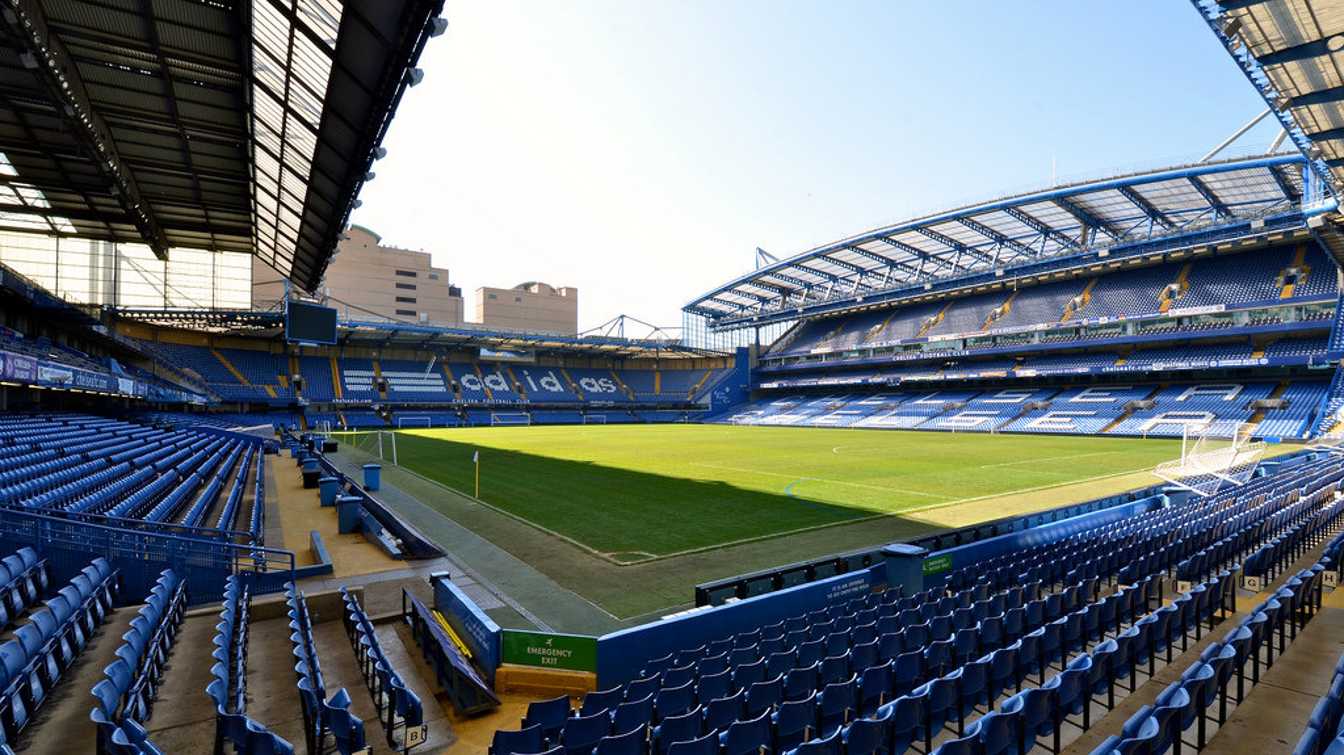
(642, 150)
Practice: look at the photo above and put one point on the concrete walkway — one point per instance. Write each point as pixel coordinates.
(512, 592)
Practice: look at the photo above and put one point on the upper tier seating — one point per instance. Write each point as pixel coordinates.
(1228, 280)
(1039, 304)
(1253, 277)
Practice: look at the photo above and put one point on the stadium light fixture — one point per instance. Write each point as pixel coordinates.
(414, 76)
(437, 27)
(379, 153)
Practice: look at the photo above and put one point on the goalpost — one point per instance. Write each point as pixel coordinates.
(1212, 461)
(380, 443)
(414, 421)
(510, 418)
(594, 419)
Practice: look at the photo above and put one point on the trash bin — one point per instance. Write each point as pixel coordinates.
(373, 474)
(311, 471)
(326, 490)
(905, 566)
(347, 513)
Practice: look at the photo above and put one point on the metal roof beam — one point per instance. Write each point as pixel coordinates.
(1146, 207)
(1035, 224)
(1087, 219)
(1296, 53)
(59, 73)
(797, 283)
(1290, 191)
(1238, 4)
(850, 266)
(1319, 97)
(765, 286)
(832, 277)
(1003, 241)
(882, 260)
(921, 254)
(1217, 204)
(952, 243)
(1326, 135)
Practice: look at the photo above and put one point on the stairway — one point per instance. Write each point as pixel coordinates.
(699, 384)
(927, 326)
(1259, 415)
(573, 386)
(621, 384)
(237, 375)
(294, 368)
(488, 393)
(336, 379)
(447, 375)
(1002, 309)
(1182, 285)
(1127, 412)
(1299, 262)
(517, 384)
(378, 379)
(1086, 298)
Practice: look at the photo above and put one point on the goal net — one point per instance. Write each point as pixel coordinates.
(379, 443)
(510, 418)
(1211, 461)
(594, 419)
(413, 422)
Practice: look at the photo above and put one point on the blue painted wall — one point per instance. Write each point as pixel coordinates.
(621, 655)
(478, 631)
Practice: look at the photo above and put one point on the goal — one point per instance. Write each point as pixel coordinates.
(413, 422)
(379, 443)
(594, 419)
(1213, 461)
(510, 418)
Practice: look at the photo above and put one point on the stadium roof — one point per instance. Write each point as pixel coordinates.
(379, 333)
(226, 125)
(1292, 51)
(1077, 221)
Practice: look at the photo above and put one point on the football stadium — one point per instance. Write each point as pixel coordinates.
(1056, 470)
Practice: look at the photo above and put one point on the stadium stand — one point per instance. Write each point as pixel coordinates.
(1001, 652)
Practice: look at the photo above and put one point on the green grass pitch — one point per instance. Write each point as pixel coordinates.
(631, 492)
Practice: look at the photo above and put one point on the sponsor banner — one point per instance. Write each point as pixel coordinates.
(20, 367)
(54, 375)
(126, 386)
(503, 355)
(937, 564)
(1185, 311)
(571, 652)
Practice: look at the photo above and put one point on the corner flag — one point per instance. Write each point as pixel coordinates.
(476, 461)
